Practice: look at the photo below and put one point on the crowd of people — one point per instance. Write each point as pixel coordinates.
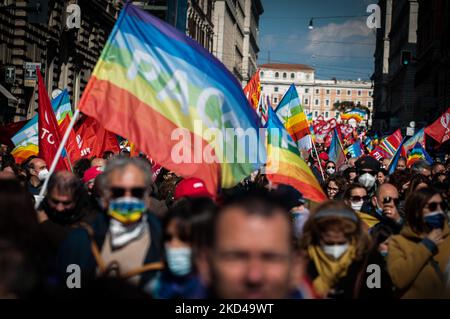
(135, 231)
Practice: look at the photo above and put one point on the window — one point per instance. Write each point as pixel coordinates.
(316, 102)
(261, 74)
(328, 92)
(370, 93)
(349, 92)
(317, 91)
(292, 75)
(277, 75)
(284, 75)
(276, 89)
(275, 100)
(262, 88)
(337, 114)
(369, 104)
(307, 76)
(306, 101)
(338, 92)
(306, 90)
(315, 113)
(326, 114)
(327, 102)
(359, 93)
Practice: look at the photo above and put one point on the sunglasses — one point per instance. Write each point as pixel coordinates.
(331, 167)
(388, 199)
(434, 205)
(359, 198)
(57, 202)
(137, 192)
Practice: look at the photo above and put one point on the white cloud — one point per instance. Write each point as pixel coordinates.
(323, 40)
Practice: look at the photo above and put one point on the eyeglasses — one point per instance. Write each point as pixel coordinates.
(331, 167)
(434, 205)
(388, 199)
(137, 192)
(359, 198)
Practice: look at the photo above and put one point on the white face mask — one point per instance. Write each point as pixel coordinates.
(367, 180)
(356, 206)
(43, 174)
(331, 171)
(335, 251)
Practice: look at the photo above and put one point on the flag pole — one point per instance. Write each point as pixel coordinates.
(318, 161)
(56, 158)
(340, 144)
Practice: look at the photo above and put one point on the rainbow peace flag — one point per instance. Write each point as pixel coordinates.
(418, 153)
(284, 163)
(356, 114)
(27, 139)
(291, 114)
(160, 89)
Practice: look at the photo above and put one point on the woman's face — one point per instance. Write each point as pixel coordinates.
(380, 178)
(433, 204)
(332, 190)
(172, 239)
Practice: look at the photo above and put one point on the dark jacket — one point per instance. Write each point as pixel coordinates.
(76, 249)
(394, 226)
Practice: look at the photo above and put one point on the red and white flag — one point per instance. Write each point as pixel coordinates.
(440, 129)
(49, 137)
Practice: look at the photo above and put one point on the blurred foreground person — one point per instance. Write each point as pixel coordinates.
(252, 252)
(418, 256)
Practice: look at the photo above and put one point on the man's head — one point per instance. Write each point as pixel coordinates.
(129, 181)
(37, 169)
(401, 164)
(386, 200)
(421, 167)
(251, 254)
(437, 168)
(367, 168)
(66, 198)
(385, 163)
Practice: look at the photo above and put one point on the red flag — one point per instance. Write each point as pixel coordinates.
(73, 151)
(253, 90)
(49, 138)
(93, 139)
(440, 129)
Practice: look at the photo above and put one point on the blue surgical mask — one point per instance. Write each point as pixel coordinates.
(435, 220)
(179, 260)
(384, 253)
(379, 210)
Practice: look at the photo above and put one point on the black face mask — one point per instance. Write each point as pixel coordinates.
(65, 217)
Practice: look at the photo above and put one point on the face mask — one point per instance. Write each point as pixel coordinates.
(378, 209)
(335, 251)
(331, 171)
(356, 206)
(179, 260)
(435, 220)
(43, 174)
(367, 180)
(384, 253)
(126, 210)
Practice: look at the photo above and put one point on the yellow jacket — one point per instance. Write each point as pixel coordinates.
(410, 265)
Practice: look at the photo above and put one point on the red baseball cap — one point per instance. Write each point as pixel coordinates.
(191, 187)
(91, 173)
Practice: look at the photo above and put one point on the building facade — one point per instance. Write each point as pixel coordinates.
(317, 96)
(236, 35)
(67, 55)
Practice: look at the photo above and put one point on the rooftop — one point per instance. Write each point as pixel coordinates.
(285, 66)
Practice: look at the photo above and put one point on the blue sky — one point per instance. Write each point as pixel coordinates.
(336, 47)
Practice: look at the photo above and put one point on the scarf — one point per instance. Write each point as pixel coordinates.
(122, 234)
(330, 270)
